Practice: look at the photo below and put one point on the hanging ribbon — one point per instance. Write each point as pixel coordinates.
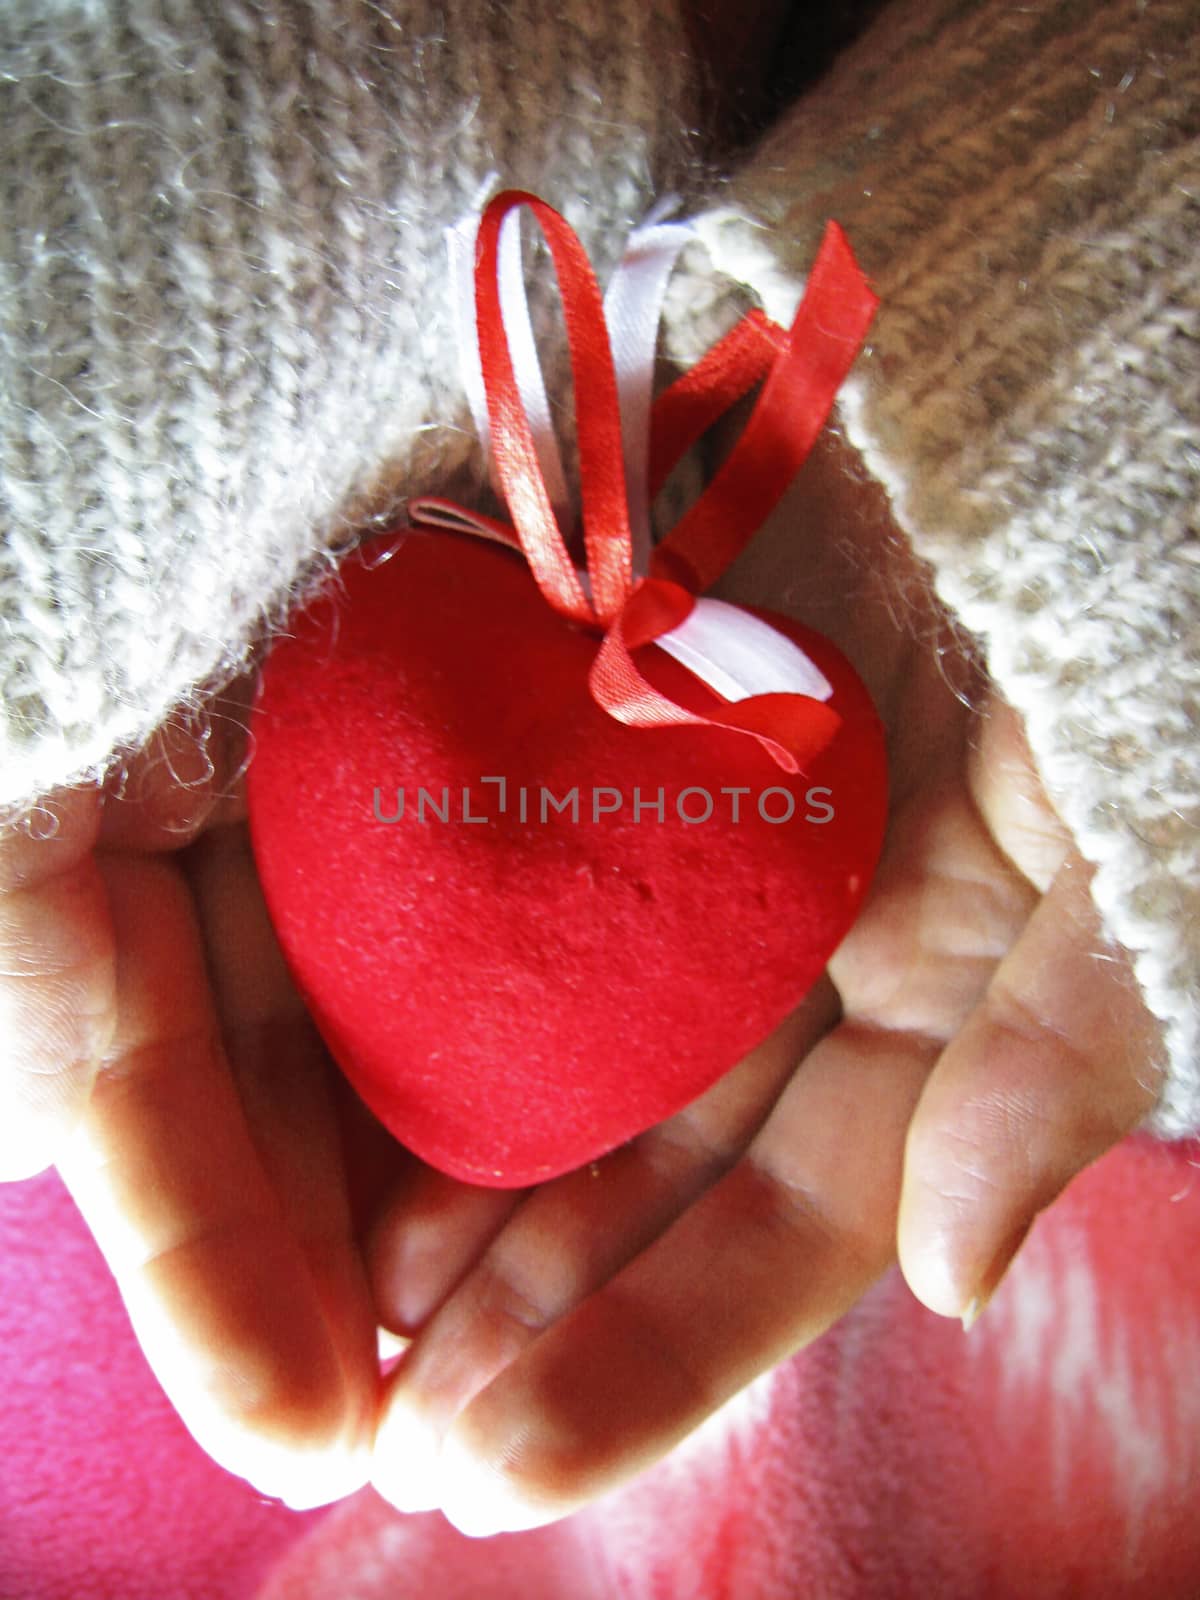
(800, 371)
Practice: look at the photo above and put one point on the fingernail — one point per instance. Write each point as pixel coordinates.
(309, 1485)
(972, 1313)
(481, 1502)
(389, 1346)
(994, 1277)
(415, 1285)
(406, 1470)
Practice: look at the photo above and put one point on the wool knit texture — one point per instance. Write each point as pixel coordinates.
(1022, 184)
(226, 342)
(226, 345)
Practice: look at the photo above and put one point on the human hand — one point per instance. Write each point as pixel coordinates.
(157, 1051)
(974, 1046)
(152, 1045)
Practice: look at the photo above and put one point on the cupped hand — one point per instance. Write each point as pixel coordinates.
(974, 1045)
(153, 1047)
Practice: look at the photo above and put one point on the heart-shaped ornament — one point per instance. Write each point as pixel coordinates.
(540, 878)
(526, 931)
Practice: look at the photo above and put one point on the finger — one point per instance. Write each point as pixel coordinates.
(284, 1081)
(1014, 806)
(564, 1241)
(164, 1171)
(431, 1231)
(944, 910)
(762, 1263)
(57, 976)
(189, 776)
(1054, 1066)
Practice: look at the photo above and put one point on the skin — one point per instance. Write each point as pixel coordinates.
(974, 1045)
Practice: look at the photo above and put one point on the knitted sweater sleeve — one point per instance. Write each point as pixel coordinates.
(225, 338)
(1023, 186)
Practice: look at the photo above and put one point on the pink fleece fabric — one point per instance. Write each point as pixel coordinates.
(1054, 1451)
(103, 1494)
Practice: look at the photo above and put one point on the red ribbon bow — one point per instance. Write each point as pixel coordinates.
(803, 370)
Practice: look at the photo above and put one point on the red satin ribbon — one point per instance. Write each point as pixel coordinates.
(803, 370)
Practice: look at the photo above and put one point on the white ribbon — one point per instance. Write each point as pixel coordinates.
(633, 309)
(738, 654)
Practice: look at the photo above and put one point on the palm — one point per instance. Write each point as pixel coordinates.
(576, 1331)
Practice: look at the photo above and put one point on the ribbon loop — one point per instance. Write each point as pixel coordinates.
(801, 384)
(764, 688)
(601, 458)
(633, 305)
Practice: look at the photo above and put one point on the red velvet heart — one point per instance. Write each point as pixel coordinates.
(514, 992)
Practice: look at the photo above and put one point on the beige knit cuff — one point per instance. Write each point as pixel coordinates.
(1023, 187)
(226, 341)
